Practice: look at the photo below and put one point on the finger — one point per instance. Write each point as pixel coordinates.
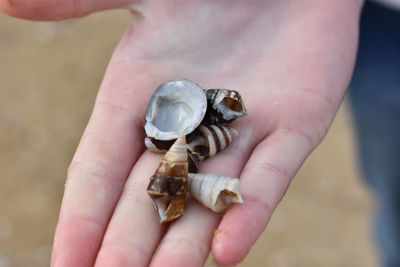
(134, 230)
(96, 175)
(264, 181)
(188, 240)
(56, 9)
(112, 142)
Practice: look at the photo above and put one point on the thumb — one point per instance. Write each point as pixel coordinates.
(57, 9)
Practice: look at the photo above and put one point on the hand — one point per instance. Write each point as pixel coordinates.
(291, 62)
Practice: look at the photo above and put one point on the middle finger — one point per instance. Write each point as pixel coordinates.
(134, 230)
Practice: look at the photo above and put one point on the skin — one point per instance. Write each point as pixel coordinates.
(291, 61)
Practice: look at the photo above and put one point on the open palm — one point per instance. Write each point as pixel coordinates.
(291, 73)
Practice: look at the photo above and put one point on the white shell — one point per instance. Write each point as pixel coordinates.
(176, 108)
(214, 191)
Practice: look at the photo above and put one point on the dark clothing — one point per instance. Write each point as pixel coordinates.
(375, 98)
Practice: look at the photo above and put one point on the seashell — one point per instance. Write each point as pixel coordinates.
(157, 146)
(209, 140)
(168, 186)
(224, 106)
(176, 108)
(214, 191)
(193, 161)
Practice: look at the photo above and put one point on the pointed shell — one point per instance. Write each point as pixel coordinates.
(224, 106)
(176, 108)
(211, 139)
(214, 191)
(168, 186)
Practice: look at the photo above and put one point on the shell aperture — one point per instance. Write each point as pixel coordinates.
(215, 192)
(224, 106)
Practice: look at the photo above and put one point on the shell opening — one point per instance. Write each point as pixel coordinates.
(169, 208)
(227, 197)
(172, 115)
(228, 113)
(233, 104)
(161, 205)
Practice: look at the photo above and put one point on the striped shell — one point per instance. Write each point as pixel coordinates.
(211, 139)
(214, 191)
(168, 186)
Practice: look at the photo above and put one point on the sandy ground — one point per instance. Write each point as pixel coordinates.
(49, 75)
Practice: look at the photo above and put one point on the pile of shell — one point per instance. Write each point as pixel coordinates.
(188, 124)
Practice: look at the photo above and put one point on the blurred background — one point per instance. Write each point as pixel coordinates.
(49, 76)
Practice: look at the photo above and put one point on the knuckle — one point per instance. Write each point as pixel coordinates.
(138, 198)
(122, 253)
(311, 139)
(188, 245)
(94, 170)
(268, 167)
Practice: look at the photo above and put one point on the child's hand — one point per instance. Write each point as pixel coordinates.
(291, 62)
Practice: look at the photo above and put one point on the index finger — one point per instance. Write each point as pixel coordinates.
(111, 144)
(56, 9)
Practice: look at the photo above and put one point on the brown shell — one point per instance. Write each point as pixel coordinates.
(210, 140)
(223, 106)
(168, 186)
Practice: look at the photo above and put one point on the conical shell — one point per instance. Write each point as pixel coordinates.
(224, 106)
(209, 140)
(168, 186)
(214, 191)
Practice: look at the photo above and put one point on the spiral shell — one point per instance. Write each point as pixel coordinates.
(209, 140)
(224, 106)
(214, 191)
(168, 186)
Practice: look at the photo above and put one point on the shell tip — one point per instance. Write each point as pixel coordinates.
(180, 141)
